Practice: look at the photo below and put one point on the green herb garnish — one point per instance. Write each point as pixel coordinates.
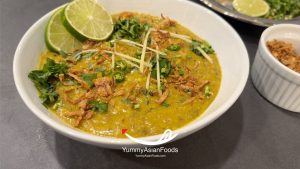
(88, 78)
(121, 65)
(146, 27)
(164, 65)
(125, 100)
(98, 106)
(197, 46)
(189, 57)
(45, 80)
(149, 92)
(136, 106)
(138, 55)
(165, 104)
(207, 91)
(181, 72)
(283, 9)
(174, 47)
(127, 28)
(162, 87)
(104, 71)
(119, 76)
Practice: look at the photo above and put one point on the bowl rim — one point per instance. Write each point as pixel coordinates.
(110, 141)
(268, 54)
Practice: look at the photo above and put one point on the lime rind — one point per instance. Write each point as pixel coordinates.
(73, 31)
(49, 45)
(57, 37)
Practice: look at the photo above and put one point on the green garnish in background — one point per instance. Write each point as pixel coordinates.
(283, 9)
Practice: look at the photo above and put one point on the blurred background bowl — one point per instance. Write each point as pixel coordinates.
(225, 7)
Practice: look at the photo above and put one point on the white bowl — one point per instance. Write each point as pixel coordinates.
(276, 82)
(231, 52)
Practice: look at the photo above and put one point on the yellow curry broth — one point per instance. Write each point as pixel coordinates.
(151, 118)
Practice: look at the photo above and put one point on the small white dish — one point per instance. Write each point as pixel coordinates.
(228, 45)
(276, 82)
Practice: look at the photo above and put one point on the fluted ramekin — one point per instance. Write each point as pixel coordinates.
(276, 82)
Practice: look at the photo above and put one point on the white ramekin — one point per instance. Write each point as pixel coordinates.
(276, 82)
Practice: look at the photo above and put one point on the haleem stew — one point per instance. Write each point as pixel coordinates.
(128, 71)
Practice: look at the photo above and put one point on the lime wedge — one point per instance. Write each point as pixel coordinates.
(86, 19)
(253, 8)
(58, 39)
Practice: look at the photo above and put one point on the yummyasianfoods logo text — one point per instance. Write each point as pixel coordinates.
(145, 152)
(150, 150)
(167, 136)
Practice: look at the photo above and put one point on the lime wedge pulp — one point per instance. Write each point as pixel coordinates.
(253, 8)
(86, 19)
(58, 39)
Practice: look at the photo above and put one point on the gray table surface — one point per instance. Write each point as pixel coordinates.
(253, 134)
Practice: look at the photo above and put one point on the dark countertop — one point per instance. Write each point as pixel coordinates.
(253, 134)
